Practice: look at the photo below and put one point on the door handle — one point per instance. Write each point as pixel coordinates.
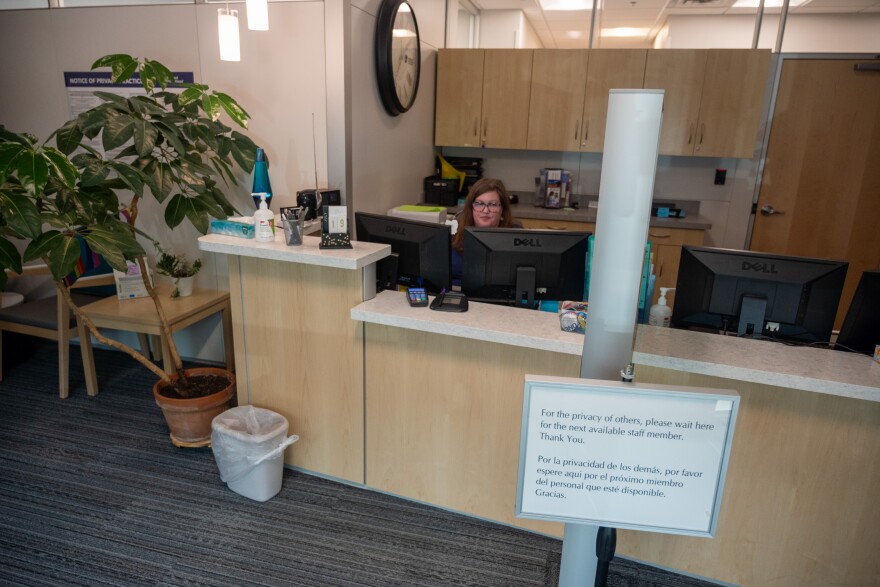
(768, 210)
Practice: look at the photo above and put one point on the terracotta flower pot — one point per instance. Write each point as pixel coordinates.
(190, 419)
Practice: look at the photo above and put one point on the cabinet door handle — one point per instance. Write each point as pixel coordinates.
(652, 235)
(476, 126)
(702, 132)
(577, 129)
(660, 270)
(485, 128)
(690, 133)
(586, 132)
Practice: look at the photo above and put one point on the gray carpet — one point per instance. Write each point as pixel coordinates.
(93, 493)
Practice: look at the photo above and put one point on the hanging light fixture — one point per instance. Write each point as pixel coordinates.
(227, 28)
(258, 15)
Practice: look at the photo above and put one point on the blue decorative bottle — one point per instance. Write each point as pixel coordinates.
(261, 178)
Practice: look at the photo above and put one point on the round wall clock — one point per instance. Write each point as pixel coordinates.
(398, 56)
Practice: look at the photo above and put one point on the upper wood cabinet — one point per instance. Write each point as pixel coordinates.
(557, 99)
(483, 97)
(712, 106)
(570, 95)
(556, 107)
(608, 69)
(459, 97)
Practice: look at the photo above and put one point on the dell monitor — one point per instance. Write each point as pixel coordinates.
(420, 251)
(757, 294)
(518, 266)
(861, 327)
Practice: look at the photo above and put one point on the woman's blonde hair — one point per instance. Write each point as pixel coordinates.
(466, 216)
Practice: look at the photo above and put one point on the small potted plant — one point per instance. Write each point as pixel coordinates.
(180, 269)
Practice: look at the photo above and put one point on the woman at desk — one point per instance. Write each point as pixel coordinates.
(487, 206)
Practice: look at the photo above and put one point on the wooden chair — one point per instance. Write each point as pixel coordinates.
(51, 318)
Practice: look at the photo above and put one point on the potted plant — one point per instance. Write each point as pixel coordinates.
(174, 147)
(180, 269)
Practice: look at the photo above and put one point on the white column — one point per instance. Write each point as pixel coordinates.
(629, 163)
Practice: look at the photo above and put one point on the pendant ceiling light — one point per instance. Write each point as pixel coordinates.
(258, 15)
(227, 28)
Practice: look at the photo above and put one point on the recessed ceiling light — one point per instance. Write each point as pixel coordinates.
(574, 34)
(625, 32)
(767, 3)
(566, 4)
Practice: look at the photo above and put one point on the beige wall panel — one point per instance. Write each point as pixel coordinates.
(444, 417)
(799, 503)
(304, 359)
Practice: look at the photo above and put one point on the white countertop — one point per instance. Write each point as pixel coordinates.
(756, 361)
(308, 253)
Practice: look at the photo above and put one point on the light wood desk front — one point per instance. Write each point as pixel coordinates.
(444, 399)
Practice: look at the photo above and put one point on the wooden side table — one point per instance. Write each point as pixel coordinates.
(139, 316)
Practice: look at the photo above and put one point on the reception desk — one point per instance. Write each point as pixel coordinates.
(428, 405)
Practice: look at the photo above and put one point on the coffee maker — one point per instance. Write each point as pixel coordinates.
(309, 199)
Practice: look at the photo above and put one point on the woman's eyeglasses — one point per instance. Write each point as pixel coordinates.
(483, 206)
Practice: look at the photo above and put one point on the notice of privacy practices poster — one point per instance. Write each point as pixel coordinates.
(82, 85)
(640, 456)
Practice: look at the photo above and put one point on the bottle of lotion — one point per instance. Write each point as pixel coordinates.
(264, 221)
(661, 314)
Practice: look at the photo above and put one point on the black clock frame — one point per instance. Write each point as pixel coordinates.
(384, 68)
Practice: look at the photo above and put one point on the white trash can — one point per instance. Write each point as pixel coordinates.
(248, 445)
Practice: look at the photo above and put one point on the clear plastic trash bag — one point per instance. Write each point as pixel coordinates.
(246, 436)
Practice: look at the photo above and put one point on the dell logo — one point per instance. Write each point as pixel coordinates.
(526, 242)
(396, 230)
(759, 267)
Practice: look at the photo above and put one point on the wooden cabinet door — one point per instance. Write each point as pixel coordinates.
(666, 244)
(732, 97)
(680, 73)
(822, 169)
(549, 224)
(507, 78)
(559, 78)
(608, 69)
(459, 97)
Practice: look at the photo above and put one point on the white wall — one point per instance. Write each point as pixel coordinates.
(391, 155)
(804, 33)
(280, 82)
(507, 29)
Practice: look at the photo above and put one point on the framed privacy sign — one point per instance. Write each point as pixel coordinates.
(623, 455)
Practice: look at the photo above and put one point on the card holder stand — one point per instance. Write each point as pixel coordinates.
(335, 240)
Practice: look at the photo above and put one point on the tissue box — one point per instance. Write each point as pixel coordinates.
(233, 227)
(436, 214)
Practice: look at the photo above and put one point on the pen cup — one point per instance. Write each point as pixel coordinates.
(292, 221)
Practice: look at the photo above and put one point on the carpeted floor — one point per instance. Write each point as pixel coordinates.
(93, 493)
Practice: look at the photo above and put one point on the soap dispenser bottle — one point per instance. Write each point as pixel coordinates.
(264, 221)
(661, 314)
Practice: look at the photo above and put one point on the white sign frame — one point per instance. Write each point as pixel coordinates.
(686, 499)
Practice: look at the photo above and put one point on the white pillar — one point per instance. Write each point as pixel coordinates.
(629, 163)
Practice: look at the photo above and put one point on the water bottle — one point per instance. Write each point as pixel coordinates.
(261, 178)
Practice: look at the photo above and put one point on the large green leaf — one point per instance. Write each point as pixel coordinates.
(115, 245)
(114, 60)
(115, 99)
(198, 214)
(212, 106)
(10, 258)
(224, 170)
(68, 137)
(33, 172)
(243, 156)
(154, 73)
(61, 166)
(146, 105)
(145, 137)
(233, 109)
(189, 95)
(172, 135)
(132, 177)
(118, 130)
(62, 251)
(161, 180)
(94, 174)
(176, 210)
(92, 121)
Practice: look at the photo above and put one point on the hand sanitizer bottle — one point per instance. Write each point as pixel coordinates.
(661, 314)
(264, 221)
